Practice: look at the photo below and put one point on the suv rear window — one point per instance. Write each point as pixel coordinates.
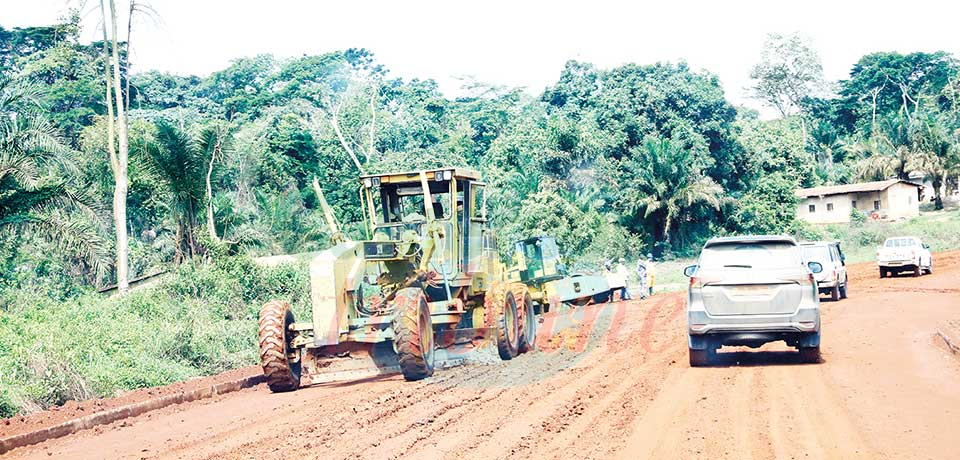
(900, 243)
(817, 253)
(751, 255)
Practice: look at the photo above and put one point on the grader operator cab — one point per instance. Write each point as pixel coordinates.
(538, 265)
(426, 288)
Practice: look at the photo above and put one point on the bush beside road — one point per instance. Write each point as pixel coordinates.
(202, 320)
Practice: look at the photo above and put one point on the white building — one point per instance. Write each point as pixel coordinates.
(886, 200)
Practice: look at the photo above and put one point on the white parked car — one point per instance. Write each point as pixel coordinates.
(904, 254)
(833, 279)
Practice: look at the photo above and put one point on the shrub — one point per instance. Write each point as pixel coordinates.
(201, 320)
(857, 218)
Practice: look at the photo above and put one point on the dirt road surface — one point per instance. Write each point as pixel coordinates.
(617, 387)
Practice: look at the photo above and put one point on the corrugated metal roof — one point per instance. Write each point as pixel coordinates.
(862, 187)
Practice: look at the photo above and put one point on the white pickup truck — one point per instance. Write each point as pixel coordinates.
(904, 254)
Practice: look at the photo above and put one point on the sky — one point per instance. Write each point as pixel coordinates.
(515, 43)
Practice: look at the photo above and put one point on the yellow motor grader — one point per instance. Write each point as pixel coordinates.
(426, 288)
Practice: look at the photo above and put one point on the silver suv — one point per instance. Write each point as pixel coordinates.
(750, 290)
(833, 279)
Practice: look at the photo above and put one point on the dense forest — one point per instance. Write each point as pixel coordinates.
(642, 157)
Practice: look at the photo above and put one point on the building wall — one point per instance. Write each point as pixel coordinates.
(896, 202)
(822, 214)
(901, 202)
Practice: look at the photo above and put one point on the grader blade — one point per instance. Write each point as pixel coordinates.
(358, 361)
(463, 346)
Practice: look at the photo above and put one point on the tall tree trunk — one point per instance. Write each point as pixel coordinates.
(120, 191)
(118, 160)
(126, 62)
(803, 130)
(343, 141)
(211, 227)
(666, 228)
(373, 120)
(937, 182)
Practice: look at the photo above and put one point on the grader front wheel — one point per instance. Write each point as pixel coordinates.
(413, 331)
(280, 360)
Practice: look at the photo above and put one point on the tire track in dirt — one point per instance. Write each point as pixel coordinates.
(586, 425)
(659, 426)
(556, 411)
(434, 405)
(347, 421)
(329, 406)
(507, 382)
(602, 409)
(483, 425)
(459, 406)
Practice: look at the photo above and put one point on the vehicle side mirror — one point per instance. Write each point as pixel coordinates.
(926, 246)
(689, 271)
(815, 267)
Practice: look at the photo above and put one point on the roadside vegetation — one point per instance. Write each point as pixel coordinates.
(201, 320)
(107, 175)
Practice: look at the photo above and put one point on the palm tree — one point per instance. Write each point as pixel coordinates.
(666, 183)
(879, 158)
(937, 155)
(181, 162)
(35, 196)
(894, 150)
(922, 144)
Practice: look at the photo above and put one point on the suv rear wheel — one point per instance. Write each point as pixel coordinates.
(835, 293)
(810, 354)
(843, 289)
(700, 358)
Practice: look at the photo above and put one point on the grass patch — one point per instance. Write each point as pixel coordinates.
(201, 321)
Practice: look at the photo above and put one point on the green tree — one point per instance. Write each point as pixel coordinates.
(180, 161)
(35, 189)
(886, 83)
(664, 184)
(770, 207)
(936, 150)
(789, 72)
(775, 146)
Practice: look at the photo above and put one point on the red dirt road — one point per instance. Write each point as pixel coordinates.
(617, 387)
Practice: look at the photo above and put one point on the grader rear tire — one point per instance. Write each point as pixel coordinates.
(500, 310)
(281, 362)
(413, 337)
(527, 317)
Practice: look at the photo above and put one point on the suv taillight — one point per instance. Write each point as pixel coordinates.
(698, 282)
(803, 280)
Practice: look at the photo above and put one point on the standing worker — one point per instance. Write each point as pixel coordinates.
(650, 274)
(624, 274)
(642, 276)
